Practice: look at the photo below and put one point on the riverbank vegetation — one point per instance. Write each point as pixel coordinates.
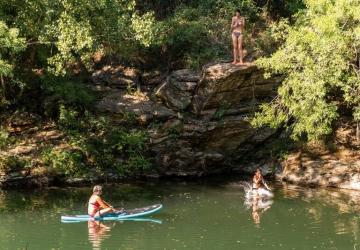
(50, 48)
(320, 58)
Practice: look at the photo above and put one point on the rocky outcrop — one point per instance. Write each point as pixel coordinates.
(202, 118)
(332, 164)
(331, 173)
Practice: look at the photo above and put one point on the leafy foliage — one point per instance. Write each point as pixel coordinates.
(320, 61)
(10, 45)
(48, 45)
(12, 163)
(4, 138)
(74, 29)
(202, 27)
(105, 146)
(68, 162)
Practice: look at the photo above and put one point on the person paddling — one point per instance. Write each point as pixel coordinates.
(97, 207)
(258, 181)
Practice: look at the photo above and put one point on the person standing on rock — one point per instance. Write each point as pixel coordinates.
(237, 29)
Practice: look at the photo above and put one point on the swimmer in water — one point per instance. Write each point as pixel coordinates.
(258, 181)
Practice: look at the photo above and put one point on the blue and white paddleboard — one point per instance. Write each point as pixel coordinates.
(131, 213)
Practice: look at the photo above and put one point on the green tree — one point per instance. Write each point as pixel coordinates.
(320, 62)
(71, 31)
(10, 45)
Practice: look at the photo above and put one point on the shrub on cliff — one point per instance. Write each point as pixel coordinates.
(99, 145)
(12, 163)
(320, 60)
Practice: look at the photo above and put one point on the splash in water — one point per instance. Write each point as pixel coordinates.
(251, 192)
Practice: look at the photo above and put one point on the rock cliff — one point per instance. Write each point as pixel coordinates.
(198, 122)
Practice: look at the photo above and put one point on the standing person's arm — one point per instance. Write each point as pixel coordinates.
(232, 24)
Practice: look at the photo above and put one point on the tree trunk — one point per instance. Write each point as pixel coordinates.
(357, 132)
(3, 85)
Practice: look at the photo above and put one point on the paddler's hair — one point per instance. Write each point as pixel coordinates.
(97, 189)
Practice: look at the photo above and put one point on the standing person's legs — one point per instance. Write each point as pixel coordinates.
(240, 48)
(235, 47)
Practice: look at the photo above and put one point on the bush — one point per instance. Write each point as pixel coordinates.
(134, 164)
(61, 91)
(105, 146)
(4, 138)
(12, 163)
(69, 118)
(68, 162)
(69, 92)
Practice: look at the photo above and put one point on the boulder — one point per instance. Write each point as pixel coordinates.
(152, 78)
(120, 102)
(116, 77)
(177, 90)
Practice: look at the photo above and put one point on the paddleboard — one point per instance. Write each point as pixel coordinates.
(130, 213)
(136, 219)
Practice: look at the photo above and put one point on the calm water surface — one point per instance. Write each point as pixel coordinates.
(195, 216)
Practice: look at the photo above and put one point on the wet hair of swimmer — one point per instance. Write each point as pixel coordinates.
(97, 189)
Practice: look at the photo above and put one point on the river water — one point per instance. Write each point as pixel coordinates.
(195, 216)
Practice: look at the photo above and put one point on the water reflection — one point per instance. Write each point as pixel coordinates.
(258, 206)
(344, 200)
(98, 231)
